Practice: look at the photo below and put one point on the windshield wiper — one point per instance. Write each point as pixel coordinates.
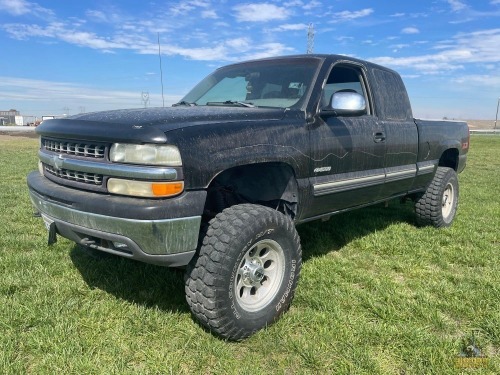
(183, 102)
(233, 103)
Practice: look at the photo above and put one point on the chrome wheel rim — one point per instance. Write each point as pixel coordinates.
(448, 200)
(260, 275)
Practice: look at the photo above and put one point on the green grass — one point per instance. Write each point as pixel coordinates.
(377, 295)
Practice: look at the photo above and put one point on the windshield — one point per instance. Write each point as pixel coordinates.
(269, 83)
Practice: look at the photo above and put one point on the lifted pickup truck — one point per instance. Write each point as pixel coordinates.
(219, 181)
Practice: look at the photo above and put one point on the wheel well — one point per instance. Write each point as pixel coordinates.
(449, 158)
(268, 184)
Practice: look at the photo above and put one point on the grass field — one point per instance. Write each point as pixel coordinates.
(377, 295)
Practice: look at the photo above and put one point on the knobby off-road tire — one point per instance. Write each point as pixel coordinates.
(438, 205)
(246, 271)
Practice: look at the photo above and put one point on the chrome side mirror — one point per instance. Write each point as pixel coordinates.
(348, 103)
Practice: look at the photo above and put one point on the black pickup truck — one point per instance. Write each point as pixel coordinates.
(218, 182)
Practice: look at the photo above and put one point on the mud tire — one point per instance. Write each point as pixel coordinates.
(244, 275)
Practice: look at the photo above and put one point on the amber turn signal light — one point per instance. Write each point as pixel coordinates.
(162, 189)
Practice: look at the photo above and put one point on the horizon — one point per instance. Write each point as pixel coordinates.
(83, 57)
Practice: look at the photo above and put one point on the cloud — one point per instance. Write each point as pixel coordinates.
(91, 40)
(134, 33)
(222, 24)
(477, 47)
(96, 16)
(141, 45)
(50, 96)
(15, 7)
(479, 80)
(200, 3)
(209, 14)
(218, 52)
(261, 12)
(410, 30)
(291, 27)
(268, 50)
(22, 7)
(457, 5)
(399, 46)
(347, 15)
(311, 5)
(59, 30)
(422, 64)
(239, 44)
(185, 7)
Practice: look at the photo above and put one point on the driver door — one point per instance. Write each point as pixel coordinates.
(347, 165)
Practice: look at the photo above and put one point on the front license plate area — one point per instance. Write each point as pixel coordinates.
(47, 221)
(51, 228)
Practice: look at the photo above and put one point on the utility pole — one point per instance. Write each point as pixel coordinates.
(496, 117)
(145, 98)
(66, 111)
(310, 39)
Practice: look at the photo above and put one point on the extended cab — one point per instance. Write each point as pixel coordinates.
(219, 181)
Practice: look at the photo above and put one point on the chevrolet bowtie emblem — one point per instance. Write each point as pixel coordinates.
(58, 162)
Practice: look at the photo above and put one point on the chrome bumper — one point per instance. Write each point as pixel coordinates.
(168, 242)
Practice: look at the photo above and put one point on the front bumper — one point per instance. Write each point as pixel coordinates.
(161, 232)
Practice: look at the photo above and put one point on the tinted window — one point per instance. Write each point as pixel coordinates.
(268, 83)
(342, 78)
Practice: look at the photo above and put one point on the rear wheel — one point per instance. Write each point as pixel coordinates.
(438, 205)
(246, 272)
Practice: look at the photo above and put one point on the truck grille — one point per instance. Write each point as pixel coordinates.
(66, 174)
(82, 149)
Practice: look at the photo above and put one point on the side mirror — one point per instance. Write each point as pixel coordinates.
(347, 103)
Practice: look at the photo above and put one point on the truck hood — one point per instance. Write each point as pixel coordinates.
(149, 124)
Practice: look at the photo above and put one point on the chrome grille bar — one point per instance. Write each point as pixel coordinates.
(67, 174)
(88, 150)
(112, 169)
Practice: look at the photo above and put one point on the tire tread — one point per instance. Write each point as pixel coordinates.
(202, 279)
(428, 208)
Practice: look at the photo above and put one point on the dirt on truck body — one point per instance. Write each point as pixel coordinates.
(218, 182)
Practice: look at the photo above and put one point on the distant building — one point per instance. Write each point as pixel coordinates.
(8, 117)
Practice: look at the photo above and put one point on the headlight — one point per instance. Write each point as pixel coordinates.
(147, 189)
(145, 154)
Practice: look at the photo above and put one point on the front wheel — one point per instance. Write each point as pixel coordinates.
(438, 205)
(246, 272)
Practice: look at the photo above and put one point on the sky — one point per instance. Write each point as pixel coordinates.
(67, 57)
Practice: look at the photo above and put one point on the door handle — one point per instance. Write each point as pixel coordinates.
(378, 137)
